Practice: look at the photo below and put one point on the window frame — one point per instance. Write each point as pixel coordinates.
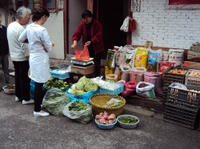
(25, 2)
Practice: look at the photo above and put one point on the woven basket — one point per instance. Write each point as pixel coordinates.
(99, 100)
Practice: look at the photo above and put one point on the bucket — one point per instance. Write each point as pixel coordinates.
(137, 74)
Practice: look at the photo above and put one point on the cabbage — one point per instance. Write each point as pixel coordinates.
(82, 86)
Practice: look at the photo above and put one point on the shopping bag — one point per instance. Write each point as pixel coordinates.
(82, 54)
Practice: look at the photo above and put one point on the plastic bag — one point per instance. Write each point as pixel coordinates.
(141, 57)
(130, 56)
(82, 54)
(83, 116)
(176, 56)
(178, 86)
(145, 89)
(153, 58)
(125, 25)
(55, 100)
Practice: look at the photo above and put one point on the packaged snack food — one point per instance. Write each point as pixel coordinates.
(141, 57)
(153, 58)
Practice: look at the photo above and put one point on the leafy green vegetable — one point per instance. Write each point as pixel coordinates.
(78, 106)
(83, 85)
(54, 83)
(114, 104)
(128, 120)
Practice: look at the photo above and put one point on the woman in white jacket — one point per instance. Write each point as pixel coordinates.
(39, 46)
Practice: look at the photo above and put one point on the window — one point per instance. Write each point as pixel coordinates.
(49, 4)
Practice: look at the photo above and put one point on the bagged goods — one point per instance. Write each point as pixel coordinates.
(176, 56)
(153, 58)
(193, 55)
(55, 100)
(82, 115)
(141, 57)
(164, 66)
(137, 74)
(165, 56)
(145, 89)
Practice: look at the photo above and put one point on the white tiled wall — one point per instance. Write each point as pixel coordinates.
(165, 27)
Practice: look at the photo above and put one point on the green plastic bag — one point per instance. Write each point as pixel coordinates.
(55, 100)
(83, 116)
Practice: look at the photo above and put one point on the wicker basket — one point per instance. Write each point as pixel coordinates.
(99, 100)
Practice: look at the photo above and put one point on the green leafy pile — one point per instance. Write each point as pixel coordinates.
(54, 83)
(83, 86)
(128, 120)
(78, 106)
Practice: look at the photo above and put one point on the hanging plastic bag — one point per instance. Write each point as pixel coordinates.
(82, 54)
(125, 25)
(145, 89)
(82, 116)
(55, 100)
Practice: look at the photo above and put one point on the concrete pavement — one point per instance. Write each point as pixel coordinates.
(20, 130)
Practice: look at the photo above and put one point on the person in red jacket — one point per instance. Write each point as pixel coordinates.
(92, 36)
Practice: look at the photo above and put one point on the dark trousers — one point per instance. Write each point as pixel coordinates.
(5, 65)
(97, 60)
(38, 96)
(22, 81)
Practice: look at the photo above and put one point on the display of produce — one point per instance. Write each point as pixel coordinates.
(54, 83)
(83, 86)
(55, 100)
(79, 114)
(105, 118)
(178, 71)
(113, 102)
(194, 74)
(78, 106)
(128, 120)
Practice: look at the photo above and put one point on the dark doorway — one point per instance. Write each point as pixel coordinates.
(111, 14)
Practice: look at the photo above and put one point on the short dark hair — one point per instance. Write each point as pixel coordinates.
(86, 13)
(39, 13)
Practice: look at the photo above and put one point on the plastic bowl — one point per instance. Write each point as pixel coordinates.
(105, 126)
(125, 125)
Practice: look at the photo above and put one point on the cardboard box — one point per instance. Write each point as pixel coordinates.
(83, 70)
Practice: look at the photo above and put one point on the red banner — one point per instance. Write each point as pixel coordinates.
(183, 2)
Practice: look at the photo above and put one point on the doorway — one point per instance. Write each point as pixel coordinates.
(111, 14)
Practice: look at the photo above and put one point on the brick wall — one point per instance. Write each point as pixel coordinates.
(165, 27)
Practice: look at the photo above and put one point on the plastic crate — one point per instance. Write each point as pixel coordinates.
(84, 97)
(171, 78)
(191, 81)
(57, 75)
(117, 91)
(187, 98)
(182, 116)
